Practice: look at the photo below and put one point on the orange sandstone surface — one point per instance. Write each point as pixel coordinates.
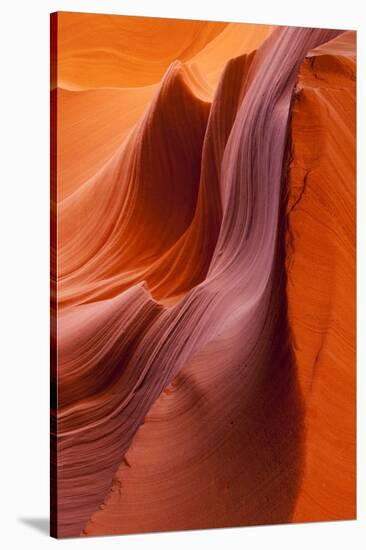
(321, 267)
(259, 424)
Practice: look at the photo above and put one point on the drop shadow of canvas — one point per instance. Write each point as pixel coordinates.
(41, 525)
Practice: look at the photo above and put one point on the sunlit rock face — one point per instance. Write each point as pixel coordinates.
(202, 274)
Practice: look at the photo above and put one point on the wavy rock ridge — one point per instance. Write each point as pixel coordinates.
(193, 357)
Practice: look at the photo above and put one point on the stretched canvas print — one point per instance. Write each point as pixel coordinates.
(202, 274)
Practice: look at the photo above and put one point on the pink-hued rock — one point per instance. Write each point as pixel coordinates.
(182, 399)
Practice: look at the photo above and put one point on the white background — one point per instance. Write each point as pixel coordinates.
(24, 271)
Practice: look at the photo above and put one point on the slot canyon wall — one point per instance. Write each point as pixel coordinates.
(203, 189)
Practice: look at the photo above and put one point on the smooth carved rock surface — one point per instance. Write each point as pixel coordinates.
(203, 274)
